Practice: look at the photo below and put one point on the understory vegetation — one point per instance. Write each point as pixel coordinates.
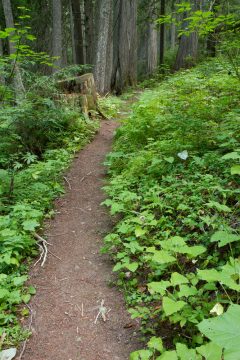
(174, 186)
(39, 136)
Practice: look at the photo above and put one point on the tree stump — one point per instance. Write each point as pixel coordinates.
(80, 91)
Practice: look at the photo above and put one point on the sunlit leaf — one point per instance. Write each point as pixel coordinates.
(171, 306)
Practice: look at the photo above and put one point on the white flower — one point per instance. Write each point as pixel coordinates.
(217, 309)
(183, 155)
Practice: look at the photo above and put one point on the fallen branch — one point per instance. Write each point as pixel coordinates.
(84, 177)
(57, 257)
(102, 311)
(42, 243)
(67, 181)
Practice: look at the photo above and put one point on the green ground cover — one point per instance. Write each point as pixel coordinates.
(39, 137)
(174, 180)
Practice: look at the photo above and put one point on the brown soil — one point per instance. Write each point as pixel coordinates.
(70, 290)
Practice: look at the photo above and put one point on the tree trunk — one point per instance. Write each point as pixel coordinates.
(152, 60)
(125, 45)
(72, 32)
(173, 36)
(103, 47)
(173, 29)
(77, 31)
(17, 78)
(212, 38)
(188, 47)
(187, 51)
(162, 33)
(57, 32)
(89, 30)
(2, 80)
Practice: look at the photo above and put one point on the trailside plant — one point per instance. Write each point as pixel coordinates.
(39, 137)
(174, 179)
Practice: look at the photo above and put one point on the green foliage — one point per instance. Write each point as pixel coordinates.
(213, 22)
(224, 331)
(72, 71)
(110, 105)
(22, 54)
(176, 245)
(24, 201)
(39, 136)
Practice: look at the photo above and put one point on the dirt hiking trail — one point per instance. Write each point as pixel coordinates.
(70, 290)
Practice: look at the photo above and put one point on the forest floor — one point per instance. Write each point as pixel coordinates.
(72, 286)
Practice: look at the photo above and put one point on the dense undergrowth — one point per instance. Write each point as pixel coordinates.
(39, 136)
(174, 179)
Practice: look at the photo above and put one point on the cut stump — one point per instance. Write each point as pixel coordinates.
(79, 91)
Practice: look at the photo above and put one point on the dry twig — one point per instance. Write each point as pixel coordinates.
(67, 181)
(84, 177)
(102, 311)
(42, 243)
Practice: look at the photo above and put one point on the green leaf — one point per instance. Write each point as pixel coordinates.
(178, 279)
(26, 298)
(158, 287)
(20, 280)
(235, 170)
(224, 238)
(224, 330)
(116, 208)
(140, 355)
(118, 266)
(156, 343)
(186, 291)
(173, 243)
(139, 231)
(30, 225)
(220, 207)
(231, 354)
(4, 293)
(210, 351)
(168, 355)
(170, 306)
(210, 275)
(32, 290)
(231, 156)
(169, 159)
(162, 257)
(195, 251)
(186, 354)
(132, 266)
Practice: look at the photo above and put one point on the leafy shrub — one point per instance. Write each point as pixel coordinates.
(177, 243)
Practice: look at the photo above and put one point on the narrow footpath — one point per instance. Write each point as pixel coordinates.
(71, 288)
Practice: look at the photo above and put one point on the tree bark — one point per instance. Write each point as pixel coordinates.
(57, 33)
(17, 78)
(188, 47)
(173, 29)
(77, 31)
(72, 32)
(89, 30)
(1, 46)
(162, 33)
(125, 45)
(2, 80)
(152, 60)
(187, 51)
(102, 67)
(212, 38)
